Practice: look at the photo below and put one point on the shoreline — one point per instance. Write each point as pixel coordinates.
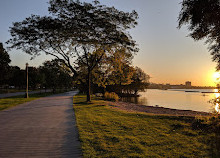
(131, 107)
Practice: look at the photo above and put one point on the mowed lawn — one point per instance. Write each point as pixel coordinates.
(6, 103)
(107, 132)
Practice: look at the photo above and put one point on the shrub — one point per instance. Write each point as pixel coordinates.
(111, 96)
(211, 123)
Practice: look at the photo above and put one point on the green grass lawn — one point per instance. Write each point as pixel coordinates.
(13, 101)
(107, 132)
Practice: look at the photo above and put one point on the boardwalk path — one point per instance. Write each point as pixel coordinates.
(41, 128)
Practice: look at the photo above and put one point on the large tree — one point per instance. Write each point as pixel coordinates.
(4, 64)
(74, 31)
(203, 20)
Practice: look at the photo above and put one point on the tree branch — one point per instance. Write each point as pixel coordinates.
(86, 56)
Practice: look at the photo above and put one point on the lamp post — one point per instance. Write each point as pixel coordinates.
(27, 80)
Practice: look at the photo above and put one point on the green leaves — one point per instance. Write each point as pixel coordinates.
(73, 24)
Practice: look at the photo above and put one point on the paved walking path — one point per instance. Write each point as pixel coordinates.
(42, 128)
(5, 95)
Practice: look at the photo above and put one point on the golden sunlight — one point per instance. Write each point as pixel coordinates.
(217, 95)
(216, 76)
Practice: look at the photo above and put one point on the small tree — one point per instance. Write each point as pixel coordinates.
(140, 81)
(76, 30)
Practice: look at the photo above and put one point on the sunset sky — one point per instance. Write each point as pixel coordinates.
(166, 53)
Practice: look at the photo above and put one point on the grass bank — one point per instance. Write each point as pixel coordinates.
(13, 101)
(106, 132)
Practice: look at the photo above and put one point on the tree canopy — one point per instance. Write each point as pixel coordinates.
(72, 26)
(73, 31)
(203, 21)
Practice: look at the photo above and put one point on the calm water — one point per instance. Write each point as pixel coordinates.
(177, 99)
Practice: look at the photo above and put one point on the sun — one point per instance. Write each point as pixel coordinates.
(216, 76)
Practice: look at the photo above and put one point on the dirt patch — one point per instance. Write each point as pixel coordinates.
(155, 109)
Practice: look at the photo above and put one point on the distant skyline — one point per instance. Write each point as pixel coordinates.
(166, 54)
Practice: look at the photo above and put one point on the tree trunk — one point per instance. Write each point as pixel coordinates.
(135, 92)
(89, 87)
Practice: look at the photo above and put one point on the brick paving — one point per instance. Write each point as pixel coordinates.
(42, 128)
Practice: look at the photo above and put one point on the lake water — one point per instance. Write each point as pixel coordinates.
(177, 99)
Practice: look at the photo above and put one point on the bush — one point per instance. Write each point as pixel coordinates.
(111, 96)
(211, 123)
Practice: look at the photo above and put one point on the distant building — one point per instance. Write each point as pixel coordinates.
(188, 84)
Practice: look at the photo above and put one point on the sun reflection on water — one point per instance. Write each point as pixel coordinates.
(217, 95)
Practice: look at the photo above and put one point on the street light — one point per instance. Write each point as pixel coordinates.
(27, 80)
